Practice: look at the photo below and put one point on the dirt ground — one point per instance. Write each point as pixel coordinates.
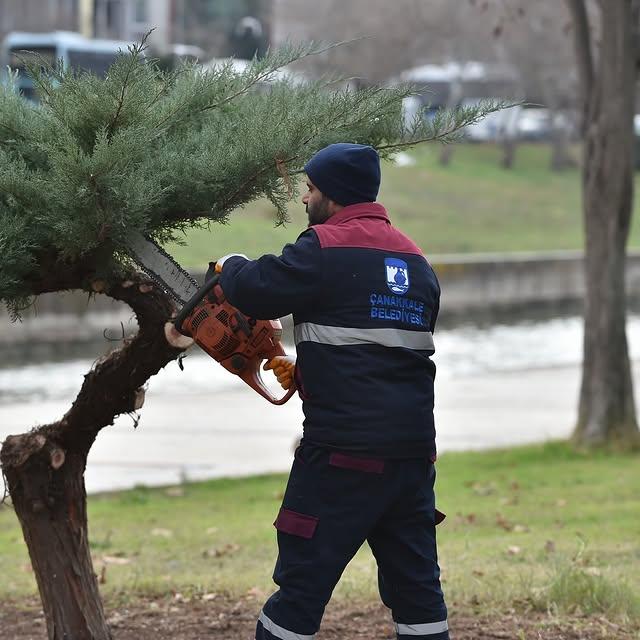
(218, 618)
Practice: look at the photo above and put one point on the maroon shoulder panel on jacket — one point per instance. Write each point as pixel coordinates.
(363, 226)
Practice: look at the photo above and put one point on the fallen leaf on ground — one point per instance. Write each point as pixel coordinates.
(118, 560)
(503, 523)
(163, 533)
(483, 489)
(468, 518)
(225, 550)
(514, 550)
(178, 597)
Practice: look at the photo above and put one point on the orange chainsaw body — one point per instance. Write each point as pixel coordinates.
(239, 343)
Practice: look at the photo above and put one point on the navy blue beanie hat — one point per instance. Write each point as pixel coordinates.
(346, 173)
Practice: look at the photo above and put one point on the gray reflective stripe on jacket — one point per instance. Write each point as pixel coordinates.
(426, 629)
(342, 336)
(280, 632)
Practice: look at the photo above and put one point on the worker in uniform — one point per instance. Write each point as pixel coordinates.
(364, 301)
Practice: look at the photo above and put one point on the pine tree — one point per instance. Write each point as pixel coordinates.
(156, 152)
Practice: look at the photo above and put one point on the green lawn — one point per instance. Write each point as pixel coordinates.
(470, 206)
(539, 525)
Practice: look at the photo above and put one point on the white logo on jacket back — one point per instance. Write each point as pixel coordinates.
(397, 273)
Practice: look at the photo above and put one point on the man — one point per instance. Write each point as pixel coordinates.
(364, 302)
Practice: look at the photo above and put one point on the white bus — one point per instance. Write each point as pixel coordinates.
(75, 52)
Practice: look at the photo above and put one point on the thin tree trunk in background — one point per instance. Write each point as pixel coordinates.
(446, 153)
(561, 157)
(508, 146)
(606, 408)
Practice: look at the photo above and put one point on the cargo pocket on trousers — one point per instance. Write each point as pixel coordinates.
(296, 524)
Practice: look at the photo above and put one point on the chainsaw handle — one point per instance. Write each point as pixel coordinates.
(252, 376)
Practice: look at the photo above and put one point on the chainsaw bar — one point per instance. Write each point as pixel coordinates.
(162, 268)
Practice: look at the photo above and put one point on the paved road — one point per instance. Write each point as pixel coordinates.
(235, 432)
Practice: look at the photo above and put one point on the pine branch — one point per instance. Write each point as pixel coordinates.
(135, 51)
(163, 152)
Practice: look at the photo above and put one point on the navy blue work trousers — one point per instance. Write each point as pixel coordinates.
(333, 503)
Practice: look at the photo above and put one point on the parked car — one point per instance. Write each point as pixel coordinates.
(240, 66)
(495, 126)
(535, 124)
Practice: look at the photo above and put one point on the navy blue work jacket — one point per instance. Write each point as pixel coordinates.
(364, 302)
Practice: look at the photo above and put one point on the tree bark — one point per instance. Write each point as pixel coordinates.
(606, 408)
(44, 469)
(51, 507)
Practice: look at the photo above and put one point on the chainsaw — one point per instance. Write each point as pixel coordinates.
(239, 343)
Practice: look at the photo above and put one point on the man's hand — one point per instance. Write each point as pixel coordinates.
(175, 338)
(220, 261)
(284, 368)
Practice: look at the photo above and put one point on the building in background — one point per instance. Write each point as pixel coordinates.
(238, 28)
(130, 20)
(39, 15)
(216, 27)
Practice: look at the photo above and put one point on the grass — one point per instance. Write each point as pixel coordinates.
(470, 206)
(540, 525)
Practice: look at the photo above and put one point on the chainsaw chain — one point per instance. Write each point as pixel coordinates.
(158, 280)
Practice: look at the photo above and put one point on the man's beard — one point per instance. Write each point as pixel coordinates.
(318, 212)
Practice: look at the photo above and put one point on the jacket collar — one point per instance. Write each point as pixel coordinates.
(361, 210)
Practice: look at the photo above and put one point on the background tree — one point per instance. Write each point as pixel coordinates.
(534, 38)
(154, 152)
(389, 36)
(607, 61)
(526, 42)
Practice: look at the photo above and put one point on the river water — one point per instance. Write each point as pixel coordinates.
(498, 384)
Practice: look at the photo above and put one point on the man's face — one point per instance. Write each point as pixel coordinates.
(319, 208)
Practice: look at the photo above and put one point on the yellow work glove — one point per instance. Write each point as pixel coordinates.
(283, 368)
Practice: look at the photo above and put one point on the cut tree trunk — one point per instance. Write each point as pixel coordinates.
(45, 467)
(607, 410)
(48, 496)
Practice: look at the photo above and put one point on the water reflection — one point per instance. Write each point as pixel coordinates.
(35, 372)
(203, 422)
